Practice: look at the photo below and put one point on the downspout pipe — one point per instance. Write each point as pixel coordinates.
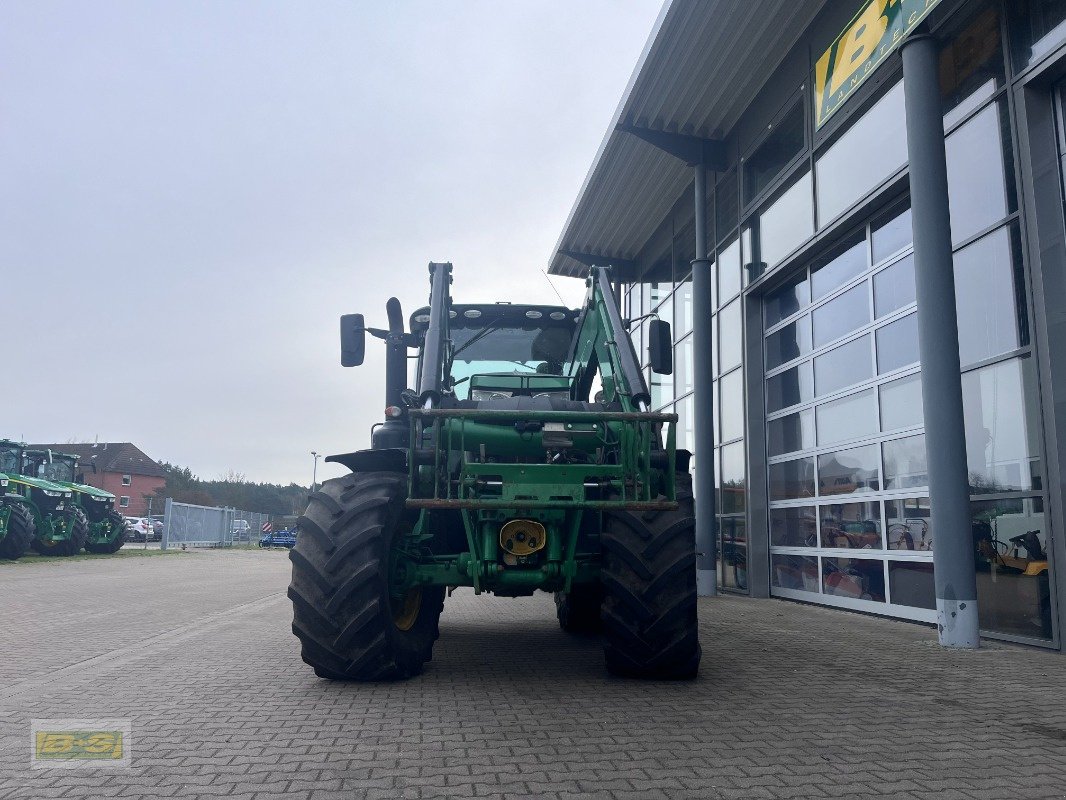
(938, 344)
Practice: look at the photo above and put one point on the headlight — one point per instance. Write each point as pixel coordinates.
(3, 482)
(52, 493)
(489, 394)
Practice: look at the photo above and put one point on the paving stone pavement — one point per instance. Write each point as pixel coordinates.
(792, 701)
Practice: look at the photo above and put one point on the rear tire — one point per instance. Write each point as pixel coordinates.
(113, 546)
(649, 579)
(579, 609)
(348, 624)
(20, 530)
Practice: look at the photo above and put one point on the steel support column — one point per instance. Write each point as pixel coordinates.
(938, 344)
(703, 398)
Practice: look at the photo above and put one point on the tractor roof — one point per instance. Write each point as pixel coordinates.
(479, 314)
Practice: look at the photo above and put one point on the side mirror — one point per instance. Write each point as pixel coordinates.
(660, 347)
(353, 340)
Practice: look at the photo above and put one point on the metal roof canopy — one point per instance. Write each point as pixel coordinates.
(704, 63)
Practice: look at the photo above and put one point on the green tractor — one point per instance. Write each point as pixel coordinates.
(16, 522)
(59, 525)
(526, 458)
(106, 529)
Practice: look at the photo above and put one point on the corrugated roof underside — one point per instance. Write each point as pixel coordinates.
(709, 60)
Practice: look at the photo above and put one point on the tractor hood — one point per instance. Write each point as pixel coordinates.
(38, 483)
(91, 491)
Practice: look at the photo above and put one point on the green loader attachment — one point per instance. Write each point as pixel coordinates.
(104, 528)
(525, 458)
(58, 524)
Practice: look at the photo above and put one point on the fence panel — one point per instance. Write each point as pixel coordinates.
(187, 525)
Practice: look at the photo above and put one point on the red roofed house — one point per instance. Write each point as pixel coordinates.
(122, 468)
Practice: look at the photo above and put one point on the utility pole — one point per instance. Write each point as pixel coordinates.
(151, 528)
(314, 473)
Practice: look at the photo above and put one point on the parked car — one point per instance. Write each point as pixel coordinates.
(142, 529)
(241, 530)
(282, 538)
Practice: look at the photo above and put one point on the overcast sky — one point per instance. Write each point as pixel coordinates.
(192, 193)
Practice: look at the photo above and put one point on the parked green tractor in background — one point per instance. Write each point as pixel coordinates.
(16, 522)
(106, 529)
(59, 525)
(507, 471)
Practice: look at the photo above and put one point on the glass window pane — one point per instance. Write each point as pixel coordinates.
(731, 499)
(730, 336)
(732, 405)
(727, 205)
(793, 527)
(971, 65)
(856, 578)
(894, 287)
(1037, 29)
(787, 300)
(839, 267)
(852, 525)
(841, 315)
(901, 403)
(892, 233)
(729, 271)
(1013, 590)
(683, 366)
(683, 309)
(794, 572)
(977, 180)
(897, 344)
(684, 424)
(985, 298)
(790, 387)
(909, 524)
(791, 433)
(999, 412)
(662, 390)
(843, 366)
(847, 170)
(785, 141)
(785, 224)
(789, 480)
(849, 471)
(905, 462)
(733, 552)
(792, 341)
(851, 417)
(910, 583)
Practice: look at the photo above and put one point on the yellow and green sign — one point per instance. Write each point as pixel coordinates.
(876, 31)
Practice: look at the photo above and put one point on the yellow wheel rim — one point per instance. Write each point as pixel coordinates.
(405, 616)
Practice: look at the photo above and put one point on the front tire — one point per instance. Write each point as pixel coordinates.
(116, 521)
(649, 579)
(20, 531)
(349, 624)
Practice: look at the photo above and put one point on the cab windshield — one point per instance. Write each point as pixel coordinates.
(9, 460)
(492, 348)
(60, 470)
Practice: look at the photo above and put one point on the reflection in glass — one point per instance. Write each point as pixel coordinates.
(792, 479)
(897, 344)
(867, 153)
(785, 224)
(1000, 418)
(843, 366)
(786, 301)
(731, 387)
(892, 233)
(971, 66)
(854, 578)
(851, 525)
(901, 403)
(841, 315)
(799, 573)
(791, 341)
(683, 309)
(731, 498)
(985, 298)
(793, 527)
(977, 181)
(781, 146)
(909, 524)
(906, 464)
(894, 286)
(683, 366)
(1013, 588)
(791, 433)
(844, 263)
(685, 432)
(730, 336)
(662, 389)
(790, 387)
(729, 271)
(733, 552)
(849, 471)
(910, 583)
(851, 417)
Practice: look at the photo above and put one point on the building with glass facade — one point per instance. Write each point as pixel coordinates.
(797, 115)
